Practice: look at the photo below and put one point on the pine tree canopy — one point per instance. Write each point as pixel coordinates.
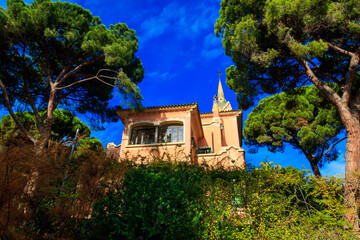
(304, 120)
(269, 40)
(65, 125)
(278, 45)
(57, 54)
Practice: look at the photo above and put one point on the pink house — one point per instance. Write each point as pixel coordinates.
(182, 133)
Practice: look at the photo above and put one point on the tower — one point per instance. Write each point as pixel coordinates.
(223, 104)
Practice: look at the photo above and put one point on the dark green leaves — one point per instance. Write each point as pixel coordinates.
(301, 118)
(269, 40)
(61, 43)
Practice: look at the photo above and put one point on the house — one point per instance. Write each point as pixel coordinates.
(182, 133)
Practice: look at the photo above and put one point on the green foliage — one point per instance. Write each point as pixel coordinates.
(49, 196)
(269, 39)
(56, 54)
(278, 45)
(157, 201)
(65, 125)
(301, 118)
(165, 200)
(162, 200)
(272, 202)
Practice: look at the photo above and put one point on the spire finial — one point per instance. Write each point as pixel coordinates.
(220, 73)
(221, 96)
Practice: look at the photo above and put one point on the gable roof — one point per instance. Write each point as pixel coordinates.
(123, 113)
(223, 112)
(176, 106)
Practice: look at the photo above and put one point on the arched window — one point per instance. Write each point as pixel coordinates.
(142, 135)
(149, 134)
(171, 133)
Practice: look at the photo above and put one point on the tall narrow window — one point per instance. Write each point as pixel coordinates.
(175, 135)
(180, 134)
(171, 133)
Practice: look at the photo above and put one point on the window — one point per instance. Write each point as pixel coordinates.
(155, 134)
(171, 133)
(204, 150)
(142, 135)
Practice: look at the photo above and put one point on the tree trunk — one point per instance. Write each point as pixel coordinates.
(310, 157)
(352, 157)
(45, 132)
(352, 126)
(315, 168)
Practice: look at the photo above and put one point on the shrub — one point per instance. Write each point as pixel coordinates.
(161, 200)
(165, 200)
(50, 195)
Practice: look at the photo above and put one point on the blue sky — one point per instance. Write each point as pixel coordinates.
(181, 56)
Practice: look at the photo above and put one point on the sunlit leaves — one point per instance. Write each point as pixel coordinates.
(266, 39)
(63, 43)
(65, 125)
(303, 120)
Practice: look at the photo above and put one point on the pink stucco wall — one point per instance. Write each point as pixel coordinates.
(157, 117)
(229, 135)
(220, 132)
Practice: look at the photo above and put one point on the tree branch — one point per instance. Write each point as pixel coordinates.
(59, 82)
(324, 89)
(97, 77)
(353, 67)
(74, 83)
(325, 74)
(338, 49)
(32, 105)
(333, 146)
(30, 98)
(65, 96)
(17, 121)
(355, 104)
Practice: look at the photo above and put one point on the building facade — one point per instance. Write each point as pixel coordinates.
(182, 133)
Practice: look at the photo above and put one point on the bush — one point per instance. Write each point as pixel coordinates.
(272, 202)
(51, 197)
(165, 200)
(157, 201)
(48, 196)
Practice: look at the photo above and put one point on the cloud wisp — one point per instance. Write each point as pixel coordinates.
(184, 21)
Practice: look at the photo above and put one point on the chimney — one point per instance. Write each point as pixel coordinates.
(215, 108)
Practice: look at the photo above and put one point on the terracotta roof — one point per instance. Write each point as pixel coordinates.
(162, 107)
(221, 112)
(123, 112)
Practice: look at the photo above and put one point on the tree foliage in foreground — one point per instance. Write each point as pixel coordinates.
(161, 200)
(167, 200)
(65, 125)
(57, 54)
(65, 189)
(279, 45)
(304, 120)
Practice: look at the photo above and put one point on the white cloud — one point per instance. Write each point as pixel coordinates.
(160, 76)
(209, 54)
(186, 21)
(212, 41)
(157, 25)
(212, 47)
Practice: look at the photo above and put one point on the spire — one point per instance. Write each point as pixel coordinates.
(223, 104)
(220, 95)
